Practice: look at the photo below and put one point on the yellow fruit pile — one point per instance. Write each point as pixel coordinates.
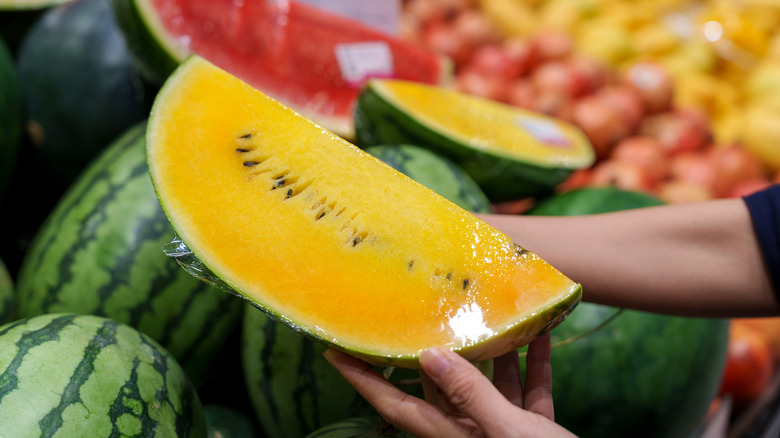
(724, 55)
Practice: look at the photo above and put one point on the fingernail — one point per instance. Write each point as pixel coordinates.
(330, 355)
(434, 363)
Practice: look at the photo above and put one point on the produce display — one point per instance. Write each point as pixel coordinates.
(580, 62)
(161, 316)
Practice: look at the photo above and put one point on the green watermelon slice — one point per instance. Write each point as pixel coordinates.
(309, 59)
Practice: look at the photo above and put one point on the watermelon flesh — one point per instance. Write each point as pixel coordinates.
(309, 59)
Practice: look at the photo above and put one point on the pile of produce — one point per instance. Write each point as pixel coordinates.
(578, 62)
(105, 311)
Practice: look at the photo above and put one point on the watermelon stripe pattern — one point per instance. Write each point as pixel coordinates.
(83, 375)
(436, 172)
(293, 389)
(100, 252)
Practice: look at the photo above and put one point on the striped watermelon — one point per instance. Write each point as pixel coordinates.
(7, 295)
(359, 427)
(435, 172)
(99, 252)
(293, 389)
(75, 375)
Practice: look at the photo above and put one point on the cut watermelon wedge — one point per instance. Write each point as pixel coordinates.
(312, 60)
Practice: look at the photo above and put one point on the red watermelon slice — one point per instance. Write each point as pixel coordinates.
(312, 60)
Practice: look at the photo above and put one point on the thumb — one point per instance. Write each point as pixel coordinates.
(466, 388)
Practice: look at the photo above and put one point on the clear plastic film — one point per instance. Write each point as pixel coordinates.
(180, 252)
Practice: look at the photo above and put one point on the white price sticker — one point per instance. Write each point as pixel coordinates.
(546, 131)
(384, 15)
(361, 61)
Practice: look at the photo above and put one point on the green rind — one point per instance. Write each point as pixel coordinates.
(10, 115)
(80, 86)
(83, 375)
(501, 177)
(639, 368)
(519, 333)
(99, 252)
(360, 427)
(145, 42)
(435, 172)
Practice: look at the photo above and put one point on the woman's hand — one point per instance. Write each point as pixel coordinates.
(460, 400)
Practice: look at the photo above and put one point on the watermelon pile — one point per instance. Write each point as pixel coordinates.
(101, 331)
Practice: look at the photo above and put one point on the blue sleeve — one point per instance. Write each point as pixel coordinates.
(764, 208)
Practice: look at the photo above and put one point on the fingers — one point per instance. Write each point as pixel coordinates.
(538, 378)
(396, 407)
(507, 378)
(467, 389)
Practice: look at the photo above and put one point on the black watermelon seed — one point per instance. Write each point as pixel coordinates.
(410, 264)
(465, 283)
(356, 240)
(249, 135)
(289, 193)
(251, 163)
(242, 150)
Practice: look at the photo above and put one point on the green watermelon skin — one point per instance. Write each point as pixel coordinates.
(225, 422)
(359, 427)
(499, 177)
(7, 296)
(80, 85)
(100, 252)
(10, 115)
(293, 389)
(640, 374)
(435, 172)
(593, 200)
(75, 375)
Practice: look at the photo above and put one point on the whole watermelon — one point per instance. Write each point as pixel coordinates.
(10, 115)
(225, 422)
(619, 373)
(359, 427)
(100, 252)
(293, 389)
(436, 172)
(75, 375)
(80, 85)
(7, 296)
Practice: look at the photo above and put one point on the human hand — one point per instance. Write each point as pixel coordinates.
(461, 401)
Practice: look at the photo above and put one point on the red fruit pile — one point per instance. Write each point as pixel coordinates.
(642, 141)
